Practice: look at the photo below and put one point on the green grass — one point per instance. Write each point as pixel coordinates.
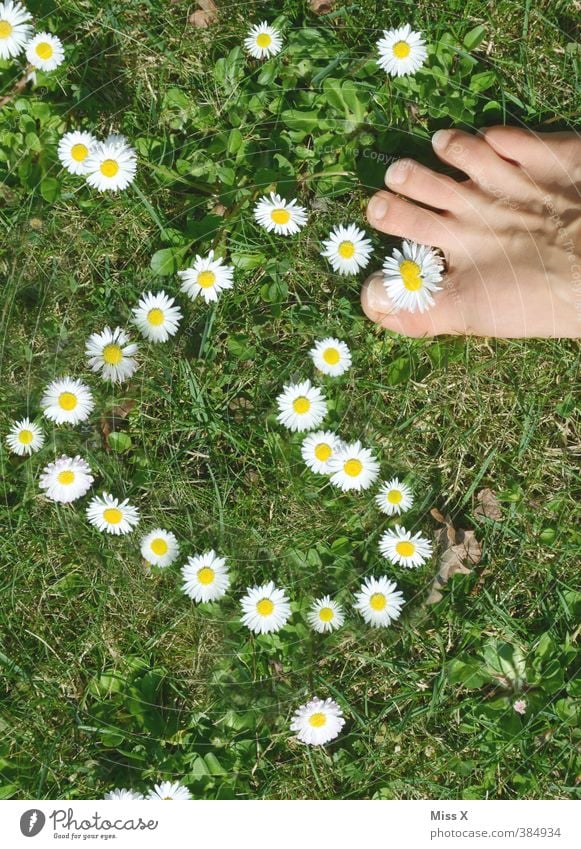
(109, 675)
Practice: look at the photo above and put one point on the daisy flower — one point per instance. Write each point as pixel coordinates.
(410, 277)
(394, 497)
(265, 609)
(401, 51)
(379, 601)
(111, 165)
(159, 547)
(347, 249)
(207, 277)
(205, 577)
(353, 467)
(263, 41)
(14, 31)
(400, 547)
(67, 479)
(282, 216)
(301, 406)
(325, 615)
(331, 356)
(318, 448)
(156, 317)
(318, 722)
(45, 51)
(111, 515)
(24, 438)
(120, 794)
(520, 706)
(67, 401)
(169, 791)
(74, 149)
(111, 353)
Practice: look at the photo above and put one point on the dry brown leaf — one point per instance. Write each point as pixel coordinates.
(488, 505)
(459, 552)
(321, 7)
(110, 419)
(206, 14)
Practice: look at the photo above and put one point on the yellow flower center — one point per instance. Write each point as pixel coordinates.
(377, 601)
(109, 168)
(44, 50)
(301, 405)
(326, 614)
(159, 546)
(112, 515)
(317, 720)
(5, 29)
(67, 401)
(346, 250)
(331, 356)
(394, 496)
(401, 50)
(265, 607)
(411, 275)
(112, 354)
(206, 279)
(353, 467)
(323, 452)
(79, 152)
(66, 477)
(280, 216)
(206, 575)
(25, 436)
(263, 40)
(155, 316)
(405, 548)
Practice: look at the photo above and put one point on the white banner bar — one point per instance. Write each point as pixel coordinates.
(296, 825)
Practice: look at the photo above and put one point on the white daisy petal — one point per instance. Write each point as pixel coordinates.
(74, 150)
(24, 438)
(318, 722)
(15, 32)
(325, 615)
(67, 479)
(112, 516)
(265, 609)
(410, 277)
(160, 548)
(156, 316)
(263, 41)
(205, 577)
(331, 356)
(401, 51)
(379, 601)
(112, 354)
(301, 406)
(353, 467)
(394, 497)
(318, 448)
(112, 165)
(67, 401)
(207, 277)
(120, 794)
(45, 51)
(280, 216)
(347, 249)
(401, 548)
(169, 791)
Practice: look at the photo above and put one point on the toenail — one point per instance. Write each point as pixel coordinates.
(440, 139)
(377, 208)
(397, 172)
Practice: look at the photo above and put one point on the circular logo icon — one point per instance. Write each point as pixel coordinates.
(32, 822)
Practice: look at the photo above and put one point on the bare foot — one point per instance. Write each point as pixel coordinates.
(511, 234)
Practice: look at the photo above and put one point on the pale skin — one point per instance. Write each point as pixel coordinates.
(510, 234)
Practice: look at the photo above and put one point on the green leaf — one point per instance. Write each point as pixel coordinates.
(50, 189)
(167, 260)
(473, 38)
(119, 442)
(482, 81)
